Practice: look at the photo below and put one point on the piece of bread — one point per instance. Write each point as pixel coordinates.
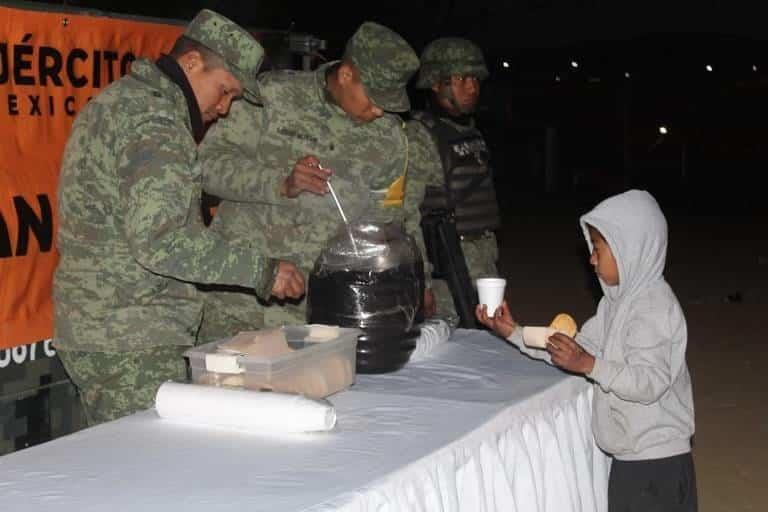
(565, 324)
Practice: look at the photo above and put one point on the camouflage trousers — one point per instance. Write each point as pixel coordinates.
(227, 313)
(116, 384)
(480, 256)
(444, 301)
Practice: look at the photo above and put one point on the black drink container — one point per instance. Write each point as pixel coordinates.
(371, 278)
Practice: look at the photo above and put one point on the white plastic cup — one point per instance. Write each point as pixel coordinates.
(490, 292)
(537, 337)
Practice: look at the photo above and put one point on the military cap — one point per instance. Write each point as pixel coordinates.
(450, 56)
(241, 53)
(386, 62)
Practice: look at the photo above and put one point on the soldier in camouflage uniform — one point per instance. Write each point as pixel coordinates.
(270, 163)
(131, 236)
(455, 173)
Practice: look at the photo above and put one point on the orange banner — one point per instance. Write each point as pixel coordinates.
(50, 65)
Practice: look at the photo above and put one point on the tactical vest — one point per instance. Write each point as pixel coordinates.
(468, 190)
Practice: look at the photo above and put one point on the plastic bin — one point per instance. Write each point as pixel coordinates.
(313, 369)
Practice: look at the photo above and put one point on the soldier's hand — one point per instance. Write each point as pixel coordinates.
(307, 175)
(288, 282)
(430, 305)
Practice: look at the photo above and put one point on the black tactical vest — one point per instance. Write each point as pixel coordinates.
(469, 190)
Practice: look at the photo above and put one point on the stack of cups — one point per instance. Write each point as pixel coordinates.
(490, 292)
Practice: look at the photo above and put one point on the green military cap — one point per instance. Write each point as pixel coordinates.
(450, 56)
(241, 53)
(386, 62)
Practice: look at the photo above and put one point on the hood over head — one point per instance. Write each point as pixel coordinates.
(636, 231)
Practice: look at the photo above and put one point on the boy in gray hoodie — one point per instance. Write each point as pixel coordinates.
(633, 350)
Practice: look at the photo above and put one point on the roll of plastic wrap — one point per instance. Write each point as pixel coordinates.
(243, 410)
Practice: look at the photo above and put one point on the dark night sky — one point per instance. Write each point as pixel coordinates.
(498, 26)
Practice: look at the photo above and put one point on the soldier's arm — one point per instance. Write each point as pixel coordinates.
(233, 167)
(424, 168)
(159, 194)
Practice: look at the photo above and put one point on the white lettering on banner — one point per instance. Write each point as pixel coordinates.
(23, 353)
(19, 354)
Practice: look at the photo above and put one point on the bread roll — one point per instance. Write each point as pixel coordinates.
(565, 324)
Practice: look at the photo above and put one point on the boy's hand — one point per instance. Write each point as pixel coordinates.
(501, 322)
(568, 355)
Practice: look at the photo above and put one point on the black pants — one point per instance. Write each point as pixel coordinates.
(658, 485)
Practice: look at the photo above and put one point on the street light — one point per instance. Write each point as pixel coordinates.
(505, 64)
(709, 68)
(663, 130)
(574, 64)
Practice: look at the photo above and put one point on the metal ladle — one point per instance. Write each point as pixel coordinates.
(343, 216)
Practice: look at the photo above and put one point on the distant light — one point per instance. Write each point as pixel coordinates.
(754, 67)
(626, 74)
(557, 78)
(505, 64)
(663, 130)
(709, 68)
(574, 64)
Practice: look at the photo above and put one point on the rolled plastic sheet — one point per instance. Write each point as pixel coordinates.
(243, 410)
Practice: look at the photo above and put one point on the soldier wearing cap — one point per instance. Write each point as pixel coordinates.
(270, 163)
(452, 160)
(131, 236)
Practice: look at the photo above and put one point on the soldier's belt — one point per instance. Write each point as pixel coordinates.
(471, 237)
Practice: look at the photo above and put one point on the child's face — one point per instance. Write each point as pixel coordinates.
(602, 258)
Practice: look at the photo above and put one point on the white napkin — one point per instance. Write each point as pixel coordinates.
(243, 410)
(434, 332)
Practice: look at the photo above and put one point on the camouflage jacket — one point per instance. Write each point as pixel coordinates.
(249, 153)
(130, 234)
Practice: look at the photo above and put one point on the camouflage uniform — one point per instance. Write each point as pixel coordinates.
(131, 237)
(248, 155)
(441, 59)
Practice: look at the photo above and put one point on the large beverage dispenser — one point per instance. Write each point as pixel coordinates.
(371, 276)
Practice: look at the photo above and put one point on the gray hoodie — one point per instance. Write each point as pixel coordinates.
(643, 402)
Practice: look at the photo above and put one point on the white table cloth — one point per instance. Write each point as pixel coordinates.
(473, 426)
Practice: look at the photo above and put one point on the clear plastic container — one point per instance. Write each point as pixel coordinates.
(314, 369)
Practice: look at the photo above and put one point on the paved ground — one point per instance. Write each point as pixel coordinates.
(718, 267)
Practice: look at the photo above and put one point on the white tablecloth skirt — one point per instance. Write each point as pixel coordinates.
(545, 461)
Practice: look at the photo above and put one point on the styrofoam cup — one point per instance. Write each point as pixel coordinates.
(537, 337)
(490, 291)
